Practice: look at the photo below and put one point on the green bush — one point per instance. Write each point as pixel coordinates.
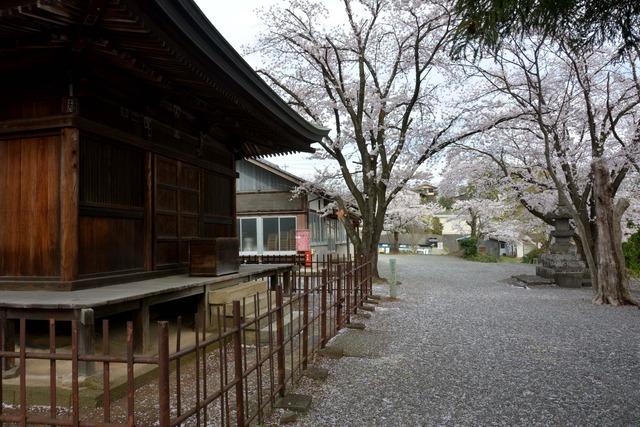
(531, 256)
(436, 226)
(631, 249)
(469, 247)
(480, 257)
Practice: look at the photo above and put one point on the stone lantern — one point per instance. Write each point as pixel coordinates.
(562, 264)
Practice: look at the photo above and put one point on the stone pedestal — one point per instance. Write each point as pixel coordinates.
(564, 269)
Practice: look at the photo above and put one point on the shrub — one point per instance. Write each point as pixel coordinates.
(631, 249)
(480, 257)
(532, 255)
(436, 226)
(469, 247)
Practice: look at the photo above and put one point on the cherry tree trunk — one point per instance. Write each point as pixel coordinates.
(373, 255)
(370, 238)
(612, 285)
(395, 248)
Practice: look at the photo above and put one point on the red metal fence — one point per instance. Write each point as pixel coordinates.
(240, 359)
(297, 259)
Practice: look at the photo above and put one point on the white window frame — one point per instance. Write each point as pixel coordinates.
(260, 235)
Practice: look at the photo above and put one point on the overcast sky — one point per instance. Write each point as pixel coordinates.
(238, 23)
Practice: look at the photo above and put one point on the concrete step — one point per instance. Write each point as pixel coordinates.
(248, 309)
(237, 292)
(289, 321)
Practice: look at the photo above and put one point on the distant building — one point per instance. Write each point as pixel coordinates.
(269, 214)
(498, 248)
(453, 224)
(428, 193)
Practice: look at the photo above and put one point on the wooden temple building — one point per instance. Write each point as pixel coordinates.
(120, 125)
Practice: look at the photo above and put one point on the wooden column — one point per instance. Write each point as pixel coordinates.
(8, 336)
(234, 202)
(141, 326)
(69, 204)
(273, 282)
(86, 339)
(148, 212)
(203, 309)
(286, 281)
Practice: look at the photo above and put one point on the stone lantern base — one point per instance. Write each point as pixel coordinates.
(566, 270)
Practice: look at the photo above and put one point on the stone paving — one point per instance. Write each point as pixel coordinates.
(462, 346)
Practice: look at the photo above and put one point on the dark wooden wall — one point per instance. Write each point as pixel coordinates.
(191, 202)
(111, 202)
(111, 180)
(29, 206)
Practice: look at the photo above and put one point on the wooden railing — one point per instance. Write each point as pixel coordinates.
(231, 372)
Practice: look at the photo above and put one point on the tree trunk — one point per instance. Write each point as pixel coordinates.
(373, 255)
(371, 231)
(612, 279)
(395, 247)
(473, 225)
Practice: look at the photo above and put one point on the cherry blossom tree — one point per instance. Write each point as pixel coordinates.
(377, 73)
(406, 214)
(576, 144)
(486, 202)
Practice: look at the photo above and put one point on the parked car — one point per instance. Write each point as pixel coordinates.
(432, 242)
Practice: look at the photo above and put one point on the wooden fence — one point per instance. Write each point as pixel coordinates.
(231, 373)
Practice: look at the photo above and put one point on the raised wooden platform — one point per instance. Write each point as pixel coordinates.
(89, 304)
(159, 290)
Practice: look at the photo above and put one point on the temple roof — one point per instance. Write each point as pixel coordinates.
(173, 46)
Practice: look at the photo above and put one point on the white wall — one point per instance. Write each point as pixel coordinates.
(452, 224)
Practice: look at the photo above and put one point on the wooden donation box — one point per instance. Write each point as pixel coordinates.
(214, 257)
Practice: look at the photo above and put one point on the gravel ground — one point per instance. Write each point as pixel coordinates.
(463, 347)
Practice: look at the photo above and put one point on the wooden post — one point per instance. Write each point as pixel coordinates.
(141, 328)
(237, 356)
(7, 341)
(280, 339)
(349, 289)
(131, 381)
(53, 398)
(163, 374)
(357, 285)
(148, 212)
(305, 322)
(273, 282)
(339, 282)
(69, 205)
(323, 310)
(86, 340)
(23, 371)
(75, 387)
(286, 280)
(106, 373)
(203, 309)
(370, 277)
